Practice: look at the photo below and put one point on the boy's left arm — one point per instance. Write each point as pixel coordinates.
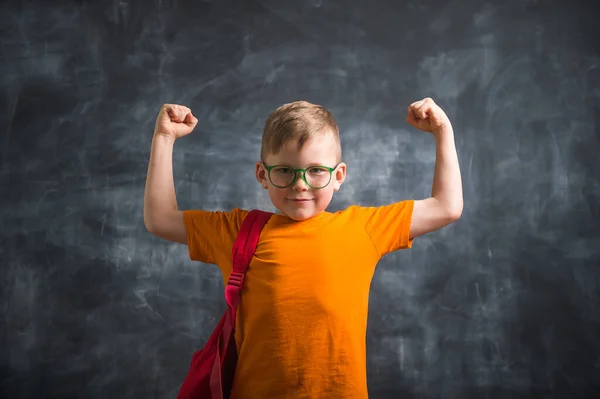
(446, 202)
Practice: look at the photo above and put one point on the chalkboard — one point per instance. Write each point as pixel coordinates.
(502, 304)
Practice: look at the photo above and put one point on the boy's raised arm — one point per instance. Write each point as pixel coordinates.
(161, 214)
(446, 202)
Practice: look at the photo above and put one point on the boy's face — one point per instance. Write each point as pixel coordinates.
(319, 150)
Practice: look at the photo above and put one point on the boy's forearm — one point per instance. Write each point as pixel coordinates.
(447, 184)
(159, 196)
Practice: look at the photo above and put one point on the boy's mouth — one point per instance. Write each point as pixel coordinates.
(299, 199)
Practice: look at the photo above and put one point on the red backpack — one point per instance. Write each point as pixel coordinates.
(212, 368)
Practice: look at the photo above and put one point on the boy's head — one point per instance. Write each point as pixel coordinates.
(301, 135)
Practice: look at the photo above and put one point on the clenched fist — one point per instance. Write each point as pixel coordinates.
(426, 115)
(174, 121)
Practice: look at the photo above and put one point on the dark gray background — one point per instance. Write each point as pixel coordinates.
(502, 304)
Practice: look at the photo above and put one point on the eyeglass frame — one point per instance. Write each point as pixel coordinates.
(297, 170)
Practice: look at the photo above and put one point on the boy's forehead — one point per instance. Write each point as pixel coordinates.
(319, 150)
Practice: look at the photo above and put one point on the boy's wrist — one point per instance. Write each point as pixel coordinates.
(443, 131)
(164, 137)
(446, 128)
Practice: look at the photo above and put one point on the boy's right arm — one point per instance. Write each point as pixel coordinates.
(161, 214)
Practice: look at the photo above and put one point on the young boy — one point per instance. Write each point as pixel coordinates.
(302, 320)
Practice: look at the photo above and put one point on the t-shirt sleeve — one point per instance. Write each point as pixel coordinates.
(211, 234)
(388, 226)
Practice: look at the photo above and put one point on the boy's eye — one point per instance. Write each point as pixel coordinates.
(316, 170)
(282, 170)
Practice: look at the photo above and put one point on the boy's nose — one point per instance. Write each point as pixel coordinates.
(299, 184)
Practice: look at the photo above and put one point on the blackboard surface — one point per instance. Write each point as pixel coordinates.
(502, 304)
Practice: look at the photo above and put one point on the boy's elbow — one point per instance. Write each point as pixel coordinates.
(148, 222)
(169, 226)
(154, 220)
(149, 226)
(153, 229)
(455, 212)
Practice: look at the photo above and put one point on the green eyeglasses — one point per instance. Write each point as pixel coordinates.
(316, 177)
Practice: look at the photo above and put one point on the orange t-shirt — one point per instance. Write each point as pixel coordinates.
(301, 324)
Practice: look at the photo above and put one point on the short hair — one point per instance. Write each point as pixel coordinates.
(299, 121)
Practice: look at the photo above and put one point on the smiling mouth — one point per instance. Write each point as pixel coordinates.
(299, 200)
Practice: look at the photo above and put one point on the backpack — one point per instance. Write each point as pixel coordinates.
(212, 368)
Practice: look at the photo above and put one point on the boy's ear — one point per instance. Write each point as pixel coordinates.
(339, 176)
(261, 175)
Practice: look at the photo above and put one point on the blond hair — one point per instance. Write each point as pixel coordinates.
(298, 121)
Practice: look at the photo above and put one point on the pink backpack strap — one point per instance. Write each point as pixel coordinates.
(242, 252)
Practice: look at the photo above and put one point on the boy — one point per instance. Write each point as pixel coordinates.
(302, 320)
